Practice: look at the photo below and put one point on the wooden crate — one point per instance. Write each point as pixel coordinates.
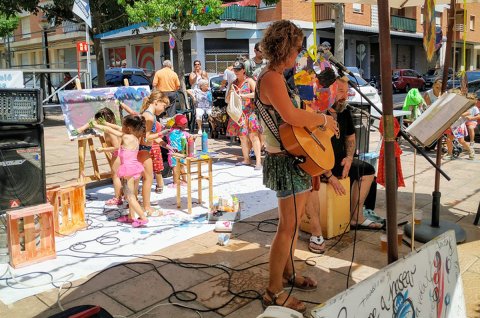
(333, 210)
(68, 208)
(38, 241)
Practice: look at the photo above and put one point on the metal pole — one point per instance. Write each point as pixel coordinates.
(47, 61)
(446, 65)
(388, 134)
(88, 77)
(9, 57)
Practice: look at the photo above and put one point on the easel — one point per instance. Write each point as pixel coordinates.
(82, 148)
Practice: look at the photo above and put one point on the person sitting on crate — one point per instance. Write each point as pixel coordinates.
(362, 174)
(174, 137)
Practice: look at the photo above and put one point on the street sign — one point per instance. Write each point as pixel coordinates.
(171, 43)
(82, 47)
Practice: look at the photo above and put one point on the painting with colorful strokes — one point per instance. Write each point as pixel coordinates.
(80, 106)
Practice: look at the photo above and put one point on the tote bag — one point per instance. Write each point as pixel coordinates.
(235, 107)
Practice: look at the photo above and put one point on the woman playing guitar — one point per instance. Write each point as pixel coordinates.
(281, 44)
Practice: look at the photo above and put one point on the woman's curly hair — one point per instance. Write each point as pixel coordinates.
(278, 40)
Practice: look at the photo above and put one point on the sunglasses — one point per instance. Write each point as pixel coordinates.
(197, 64)
(259, 51)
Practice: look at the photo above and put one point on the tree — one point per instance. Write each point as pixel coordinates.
(175, 17)
(8, 24)
(106, 15)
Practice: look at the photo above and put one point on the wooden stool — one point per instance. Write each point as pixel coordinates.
(187, 163)
(30, 252)
(68, 208)
(333, 210)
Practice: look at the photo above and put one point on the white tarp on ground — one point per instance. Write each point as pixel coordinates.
(121, 242)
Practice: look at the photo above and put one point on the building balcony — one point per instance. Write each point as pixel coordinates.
(238, 13)
(323, 12)
(403, 24)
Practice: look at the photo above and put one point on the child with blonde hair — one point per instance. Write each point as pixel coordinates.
(132, 130)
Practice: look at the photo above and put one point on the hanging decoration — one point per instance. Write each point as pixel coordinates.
(429, 28)
(194, 11)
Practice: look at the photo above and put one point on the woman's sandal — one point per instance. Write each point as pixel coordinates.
(291, 302)
(158, 189)
(307, 284)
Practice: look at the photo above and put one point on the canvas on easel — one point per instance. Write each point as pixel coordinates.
(79, 107)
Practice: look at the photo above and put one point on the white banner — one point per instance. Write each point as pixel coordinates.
(82, 9)
(426, 284)
(11, 79)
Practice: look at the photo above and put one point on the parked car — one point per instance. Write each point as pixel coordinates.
(471, 76)
(356, 100)
(433, 73)
(405, 79)
(115, 77)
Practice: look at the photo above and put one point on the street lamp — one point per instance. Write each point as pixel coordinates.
(45, 25)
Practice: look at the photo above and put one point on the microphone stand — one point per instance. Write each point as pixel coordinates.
(424, 232)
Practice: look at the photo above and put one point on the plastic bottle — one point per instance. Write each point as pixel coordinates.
(190, 146)
(183, 143)
(204, 142)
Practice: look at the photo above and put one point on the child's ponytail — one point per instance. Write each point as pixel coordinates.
(154, 96)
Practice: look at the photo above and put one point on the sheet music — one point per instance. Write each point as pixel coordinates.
(438, 117)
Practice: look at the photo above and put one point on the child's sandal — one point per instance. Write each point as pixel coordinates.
(291, 302)
(159, 189)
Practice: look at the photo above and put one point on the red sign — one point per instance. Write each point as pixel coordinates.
(14, 203)
(82, 47)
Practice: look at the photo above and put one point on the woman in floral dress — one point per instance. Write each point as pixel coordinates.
(248, 128)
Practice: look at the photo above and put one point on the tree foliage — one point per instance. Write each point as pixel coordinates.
(175, 17)
(8, 24)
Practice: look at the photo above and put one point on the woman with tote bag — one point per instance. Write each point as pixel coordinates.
(247, 126)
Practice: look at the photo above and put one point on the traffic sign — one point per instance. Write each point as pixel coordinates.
(82, 47)
(171, 43)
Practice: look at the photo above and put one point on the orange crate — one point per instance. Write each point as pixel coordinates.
(31, 237)
(68, 208)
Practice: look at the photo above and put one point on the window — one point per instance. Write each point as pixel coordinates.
(421, 18)
(438, 21)
(25, 22)
(472, 22)
(357, 8)
(264, 6)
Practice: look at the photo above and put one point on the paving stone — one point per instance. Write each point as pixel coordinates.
(27, 307)
(214, 292)
(472, 296)
(141, 291)
(166, 309)
(89, 285)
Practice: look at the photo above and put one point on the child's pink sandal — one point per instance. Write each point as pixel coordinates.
(124, 219)
(114, 201)
(139, 223)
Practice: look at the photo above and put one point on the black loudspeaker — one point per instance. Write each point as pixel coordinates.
(22, 166)
(20, 106)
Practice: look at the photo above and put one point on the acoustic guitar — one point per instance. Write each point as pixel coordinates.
(312, 145)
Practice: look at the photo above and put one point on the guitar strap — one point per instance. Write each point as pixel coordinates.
(270, 122)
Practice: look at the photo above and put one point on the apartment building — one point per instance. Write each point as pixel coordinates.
(26, 49)
(242, 26)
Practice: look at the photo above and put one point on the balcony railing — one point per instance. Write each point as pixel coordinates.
(403, 24)
(323, 12)
(238, 13)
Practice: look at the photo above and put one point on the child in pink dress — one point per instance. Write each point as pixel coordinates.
(133, 128)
